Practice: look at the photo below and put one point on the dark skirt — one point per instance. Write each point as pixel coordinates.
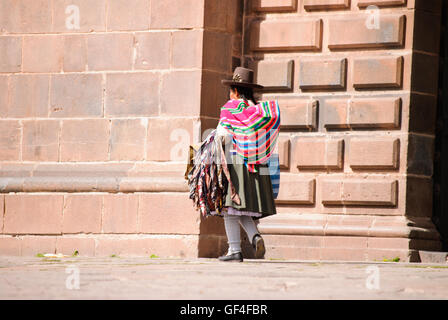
(254, 188)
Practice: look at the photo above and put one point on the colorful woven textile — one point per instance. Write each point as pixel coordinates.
(254, 127)
(274, 170)
(208, 177)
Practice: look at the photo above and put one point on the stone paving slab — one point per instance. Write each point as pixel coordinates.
(174, 279)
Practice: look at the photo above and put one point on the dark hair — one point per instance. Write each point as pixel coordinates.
(246, 93)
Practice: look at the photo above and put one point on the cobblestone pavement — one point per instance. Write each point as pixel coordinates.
(173, 279)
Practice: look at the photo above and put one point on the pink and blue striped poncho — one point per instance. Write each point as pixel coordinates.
(255, 129)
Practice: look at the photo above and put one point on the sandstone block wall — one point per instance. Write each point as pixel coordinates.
(357, 83)
(99, 101)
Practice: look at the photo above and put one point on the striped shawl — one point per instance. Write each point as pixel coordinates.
(254, 128)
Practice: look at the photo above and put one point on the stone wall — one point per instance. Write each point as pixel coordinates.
(99, 101)
(357, 85)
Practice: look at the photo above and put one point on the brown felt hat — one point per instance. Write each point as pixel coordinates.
(242, 77)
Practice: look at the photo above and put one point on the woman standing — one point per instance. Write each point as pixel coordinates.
(251, 179)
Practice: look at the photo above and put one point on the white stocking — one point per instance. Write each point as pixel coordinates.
(249, 226)
(232, 226)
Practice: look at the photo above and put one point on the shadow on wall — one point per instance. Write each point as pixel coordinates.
(440, 176)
